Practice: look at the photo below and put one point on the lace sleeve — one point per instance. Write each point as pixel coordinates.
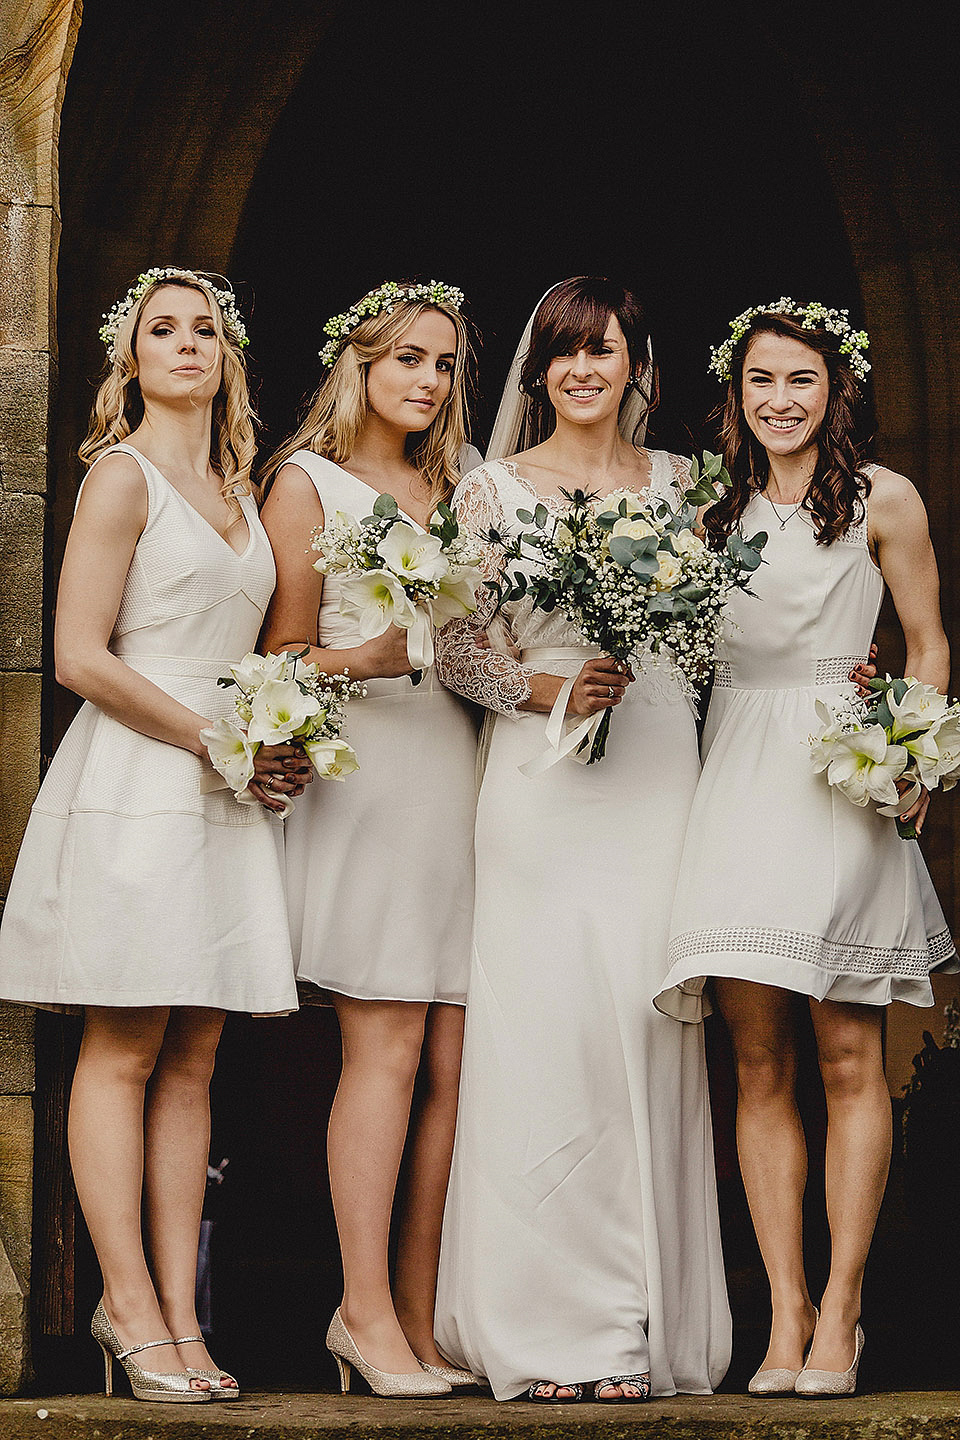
(493, 678)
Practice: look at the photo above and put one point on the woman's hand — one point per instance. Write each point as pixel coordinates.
(599, 686)
(863, 673)
(279, 772)
(385, 656)
(918, 810)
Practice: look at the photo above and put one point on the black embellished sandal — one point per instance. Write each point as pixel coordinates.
(554, 1399)
(639, 1382)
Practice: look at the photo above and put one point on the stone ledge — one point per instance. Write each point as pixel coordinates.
(918, 1415)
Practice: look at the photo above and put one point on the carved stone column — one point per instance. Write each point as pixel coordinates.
(36, 45)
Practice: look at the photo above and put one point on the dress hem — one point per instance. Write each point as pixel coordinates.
(682, 996)
(309, 998)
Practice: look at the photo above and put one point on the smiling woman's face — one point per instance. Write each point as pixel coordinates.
(178, 353)
(586, 387)
(407, 387)
(785, 393)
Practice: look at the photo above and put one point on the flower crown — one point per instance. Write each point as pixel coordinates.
(226, 300)
(813, 316)
(338, 327)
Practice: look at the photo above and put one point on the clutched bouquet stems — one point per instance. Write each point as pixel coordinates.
(393, 574)
(635, 577)
(901, 738)
(281, 701)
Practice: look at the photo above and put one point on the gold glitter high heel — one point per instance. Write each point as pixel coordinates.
(407, 1387)
(145, 1384)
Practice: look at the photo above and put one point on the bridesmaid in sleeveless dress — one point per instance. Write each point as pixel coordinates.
(788, 892)
(150, 905)
(380, 873)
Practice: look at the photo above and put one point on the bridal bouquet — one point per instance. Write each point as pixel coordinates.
(904, 730)
(281, 701)
(633, 575)
(397, 575)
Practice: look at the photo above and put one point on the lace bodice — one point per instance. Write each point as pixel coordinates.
(488, 498)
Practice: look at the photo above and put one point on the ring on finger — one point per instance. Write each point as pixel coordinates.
(611, 691)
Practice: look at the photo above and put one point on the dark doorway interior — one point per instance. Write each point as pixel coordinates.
(501, 147)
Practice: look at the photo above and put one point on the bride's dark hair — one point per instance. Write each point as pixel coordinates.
(836, 497)
(574, 315)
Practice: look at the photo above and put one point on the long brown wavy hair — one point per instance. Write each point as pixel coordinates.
(837, 495)
(339, 408)
(573, 315)
(118, 407)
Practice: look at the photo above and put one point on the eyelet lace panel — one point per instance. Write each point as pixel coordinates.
(835, 956)
(491, 678)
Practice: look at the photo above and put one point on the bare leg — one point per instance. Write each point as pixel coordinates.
(177, 1139)
(105, 1132)
(418, 1254)
(859, 1138)
(382, 1040)
(773, 1154)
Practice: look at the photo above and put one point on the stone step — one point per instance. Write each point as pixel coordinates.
(911, 1415)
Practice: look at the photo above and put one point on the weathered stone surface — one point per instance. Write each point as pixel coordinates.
(21, 574)
(16, 1049)
(24, 402)
(912, 1416)
(16, 1183)
(20, 746)
(26, 233)
(36, 42)
(13, 1332)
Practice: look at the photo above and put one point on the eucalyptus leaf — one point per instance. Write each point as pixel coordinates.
(385, 507)
(540, 516)
(646, 566)
(623, 549)
(525, 517)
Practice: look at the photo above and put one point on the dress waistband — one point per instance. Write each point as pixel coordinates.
(190, 666)
(831, 670)
(543, 654)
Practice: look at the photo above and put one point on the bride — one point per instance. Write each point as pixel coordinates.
(581, 1248)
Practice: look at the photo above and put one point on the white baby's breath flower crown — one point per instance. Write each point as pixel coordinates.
(385, 297)
(812, 316)
(227, 301)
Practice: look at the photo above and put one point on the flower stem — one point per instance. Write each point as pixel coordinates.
(598, 749)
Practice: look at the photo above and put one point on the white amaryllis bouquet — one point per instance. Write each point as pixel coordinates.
(902, 731)
(394, 574)
(633, 575)
(281, 701)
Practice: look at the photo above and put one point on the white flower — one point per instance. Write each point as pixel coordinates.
(231, 752)
(635, 529)
(865, 766)
(687, 543)
(921, 708)
(332, 759)
(458, 594)
(823, 745)
(562, 536)
(412, 555)
(669, 573)
(375, 600)
(608, 503)
(254, 669)
(280, 709)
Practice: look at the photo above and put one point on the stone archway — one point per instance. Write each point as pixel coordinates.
(166, 119)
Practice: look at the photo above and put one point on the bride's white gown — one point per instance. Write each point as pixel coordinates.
(581, 1236)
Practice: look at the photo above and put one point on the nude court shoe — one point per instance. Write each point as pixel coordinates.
(831, 1382)
(419, 1385)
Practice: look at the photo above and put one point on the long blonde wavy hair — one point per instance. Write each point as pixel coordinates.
(118, 408)
(339, 408)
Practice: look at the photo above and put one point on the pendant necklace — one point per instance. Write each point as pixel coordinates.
(784, 518)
